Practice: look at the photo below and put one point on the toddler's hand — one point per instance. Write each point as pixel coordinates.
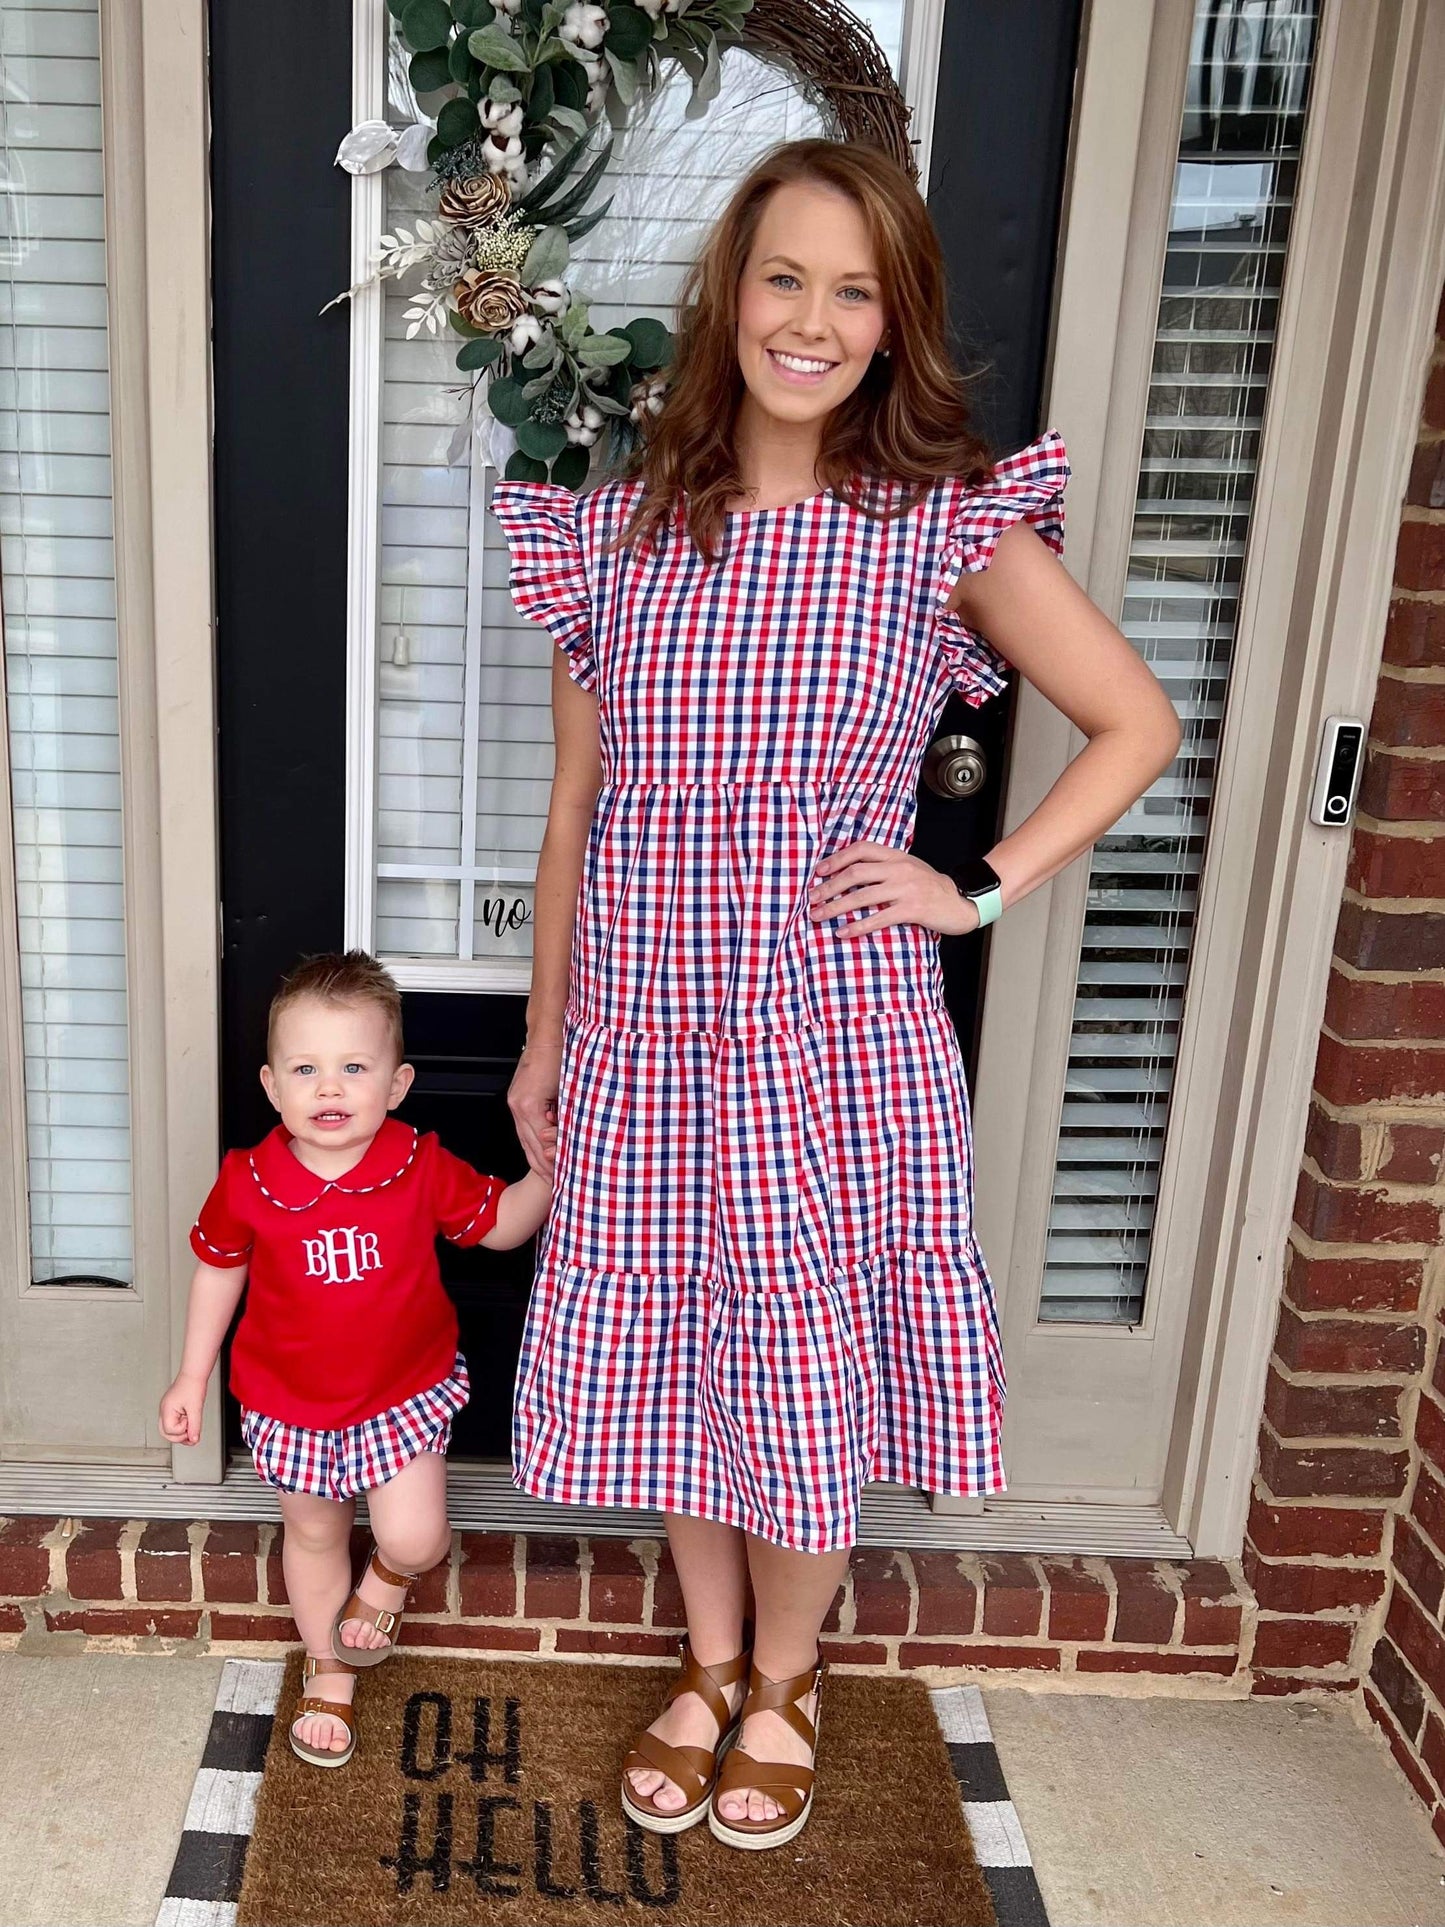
(181, 1408)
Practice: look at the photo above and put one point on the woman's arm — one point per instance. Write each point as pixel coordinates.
(215, 1293)
(1033, 611)
(578, 778)
(1029, 606)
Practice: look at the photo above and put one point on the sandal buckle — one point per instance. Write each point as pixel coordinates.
(389, 1625)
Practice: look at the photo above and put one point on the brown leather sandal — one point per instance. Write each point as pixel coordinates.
(789, 1787)
(692, 1768)
(385, 1622)
(339, 1710)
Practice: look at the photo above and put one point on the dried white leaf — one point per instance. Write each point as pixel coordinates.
(412, 330)
(369, 147)
(412, 144)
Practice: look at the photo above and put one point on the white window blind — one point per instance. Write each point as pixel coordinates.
(463, 717)
(60, 643)
(1242, 125)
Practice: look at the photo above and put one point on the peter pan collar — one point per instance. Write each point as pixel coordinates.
(284, 1179)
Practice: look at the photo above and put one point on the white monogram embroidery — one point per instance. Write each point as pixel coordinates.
(341, 1256)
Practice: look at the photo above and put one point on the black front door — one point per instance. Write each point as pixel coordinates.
(280, 78)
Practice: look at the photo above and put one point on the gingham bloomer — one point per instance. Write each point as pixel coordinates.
(759, 1287)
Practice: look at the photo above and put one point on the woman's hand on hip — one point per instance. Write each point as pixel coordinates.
(892, 887)
(532, 1100)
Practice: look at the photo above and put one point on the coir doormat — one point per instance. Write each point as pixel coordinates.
(487, 1791)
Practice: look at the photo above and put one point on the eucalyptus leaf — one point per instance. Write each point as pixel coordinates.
(687, 57)
(541, 439)
(460, 64)
(480, 353)
(457, 122)
(426, 24)
(539, 101)
(571, 466)
(629, 30)
(462, 327)
(435, 148)
(471, 14)
(535, 389)
(624, 77)
(430, 70)
(521, 468)
(495, 47)
(603, 351)
(547, 258)
(398, 7)
(508, 401)
(571, 85)
(704, 90)
(651, 343)
(568, 119)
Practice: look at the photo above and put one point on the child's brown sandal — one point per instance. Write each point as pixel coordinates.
(338, 1710)
(692, 1769)
(377, 1616)
(789, 1787)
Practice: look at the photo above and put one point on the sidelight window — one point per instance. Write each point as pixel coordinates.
(1243, 123)
(60, 686)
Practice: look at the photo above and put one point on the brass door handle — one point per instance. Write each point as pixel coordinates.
(955, 767)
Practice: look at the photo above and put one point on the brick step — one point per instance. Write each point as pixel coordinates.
(220, 1584)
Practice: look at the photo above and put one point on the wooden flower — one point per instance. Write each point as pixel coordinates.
(490, 299)
(473, 202)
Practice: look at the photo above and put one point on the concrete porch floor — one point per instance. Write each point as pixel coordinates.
(1140, 1813)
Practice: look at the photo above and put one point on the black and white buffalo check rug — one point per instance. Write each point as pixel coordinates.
(205, 1881)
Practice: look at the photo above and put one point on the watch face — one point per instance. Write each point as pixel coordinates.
(973, 876)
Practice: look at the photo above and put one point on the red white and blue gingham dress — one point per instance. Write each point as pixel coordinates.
(759, 1287)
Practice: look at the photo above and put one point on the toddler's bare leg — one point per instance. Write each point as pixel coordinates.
(316, 1558)
(409, 1524)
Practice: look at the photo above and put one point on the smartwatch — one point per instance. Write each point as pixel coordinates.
(976, 879)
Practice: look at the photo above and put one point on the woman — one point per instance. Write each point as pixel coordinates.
(759, 1287)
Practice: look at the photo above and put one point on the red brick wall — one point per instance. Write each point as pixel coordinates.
(117, 1582)
(1345, 1539)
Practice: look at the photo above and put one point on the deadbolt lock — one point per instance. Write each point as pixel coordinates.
(955, 767)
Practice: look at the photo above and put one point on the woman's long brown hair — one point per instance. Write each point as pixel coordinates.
(906, 422)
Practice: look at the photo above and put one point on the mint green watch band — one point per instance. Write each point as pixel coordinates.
(989, 905)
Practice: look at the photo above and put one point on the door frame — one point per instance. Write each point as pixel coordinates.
(1355, 331)
(153, 90)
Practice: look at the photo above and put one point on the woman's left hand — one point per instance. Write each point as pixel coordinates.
(893, 887)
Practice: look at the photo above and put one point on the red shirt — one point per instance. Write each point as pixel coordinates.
(345, 1313)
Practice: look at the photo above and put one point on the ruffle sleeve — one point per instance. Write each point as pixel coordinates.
(1027, 487)
(549, 576)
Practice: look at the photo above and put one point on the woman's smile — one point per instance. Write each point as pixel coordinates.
(802, 370)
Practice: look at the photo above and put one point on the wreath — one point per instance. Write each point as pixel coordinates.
(514, 160)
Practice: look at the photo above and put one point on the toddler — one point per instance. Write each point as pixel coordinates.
(345, 1359)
